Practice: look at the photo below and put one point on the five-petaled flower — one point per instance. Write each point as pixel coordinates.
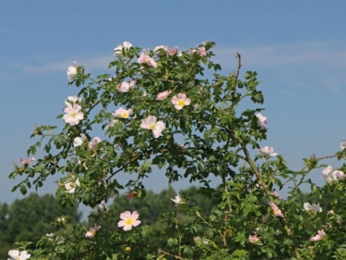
(129, 220)
(314, 208)
(320, 235)
(178, 200)
(180, 101)
(163, 95)
(276, 211)
(145, 58)
(267, 150)
(29, 160)
(72, 72)
(92, 231)
(18, 255)
(151, 124)
(126, 86)
(262, 121)
(73, 114)
(122, 113)
(118, 51)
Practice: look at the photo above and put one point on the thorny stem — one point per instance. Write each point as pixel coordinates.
(262, 183)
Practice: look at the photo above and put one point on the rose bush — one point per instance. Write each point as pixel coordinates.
(196, 131)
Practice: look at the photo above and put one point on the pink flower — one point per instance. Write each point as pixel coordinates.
(267, 150)
(180, 101)
(320, 235)
(72, 72)
(253, 239)
(73, 100)
(126, 86)
(151, 124)
(94, 142)
(262, 121)
(172, 51)
(163, 95)
(331, 175)
(92, 231)
(129, 220)
(145, 58)
(202, 51)
(29, 160)
(122, 113)
(276, 194)
(73, 114)
(277, 212)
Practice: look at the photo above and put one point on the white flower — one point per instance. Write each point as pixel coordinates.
(267, 150)
(262, 121)
(73, 99)
(72, 72)
(177, 200)
(126, 86)
(99, 208)
(343, 144)
(71, 185)
(314, 208)
(73, 114)
(18, 255)
(119, 49)
(78, 141)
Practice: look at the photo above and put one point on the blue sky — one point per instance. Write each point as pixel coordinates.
(298, 49)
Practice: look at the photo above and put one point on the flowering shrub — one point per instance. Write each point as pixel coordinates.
(249, 219)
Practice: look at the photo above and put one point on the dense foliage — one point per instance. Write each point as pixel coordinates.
(159, 110)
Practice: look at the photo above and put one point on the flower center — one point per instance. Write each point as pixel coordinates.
(125, 114)
(73, 114)
(181, 102)
(129, 221)
(152, 126)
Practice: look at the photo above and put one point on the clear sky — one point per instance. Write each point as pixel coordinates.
(298, 49)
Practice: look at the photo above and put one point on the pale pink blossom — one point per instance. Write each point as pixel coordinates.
(73, 100)
(29, 160)
(253, 239)
(267, 150)
(122, 113)
(118, 51)
(73, 114)
(163, 95)
(180, 101)
(126, 86)
(314, 208)
(94, 142)
(320, 235)
(331, 175)
(18, 255)
(172, 51)
(92, 231)
(276, 194)
(151, 124)
(277, 212)
(202, 51)
(262, 121)
(129, 220)
(78, 141)
(72, 72)
(145, 58)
